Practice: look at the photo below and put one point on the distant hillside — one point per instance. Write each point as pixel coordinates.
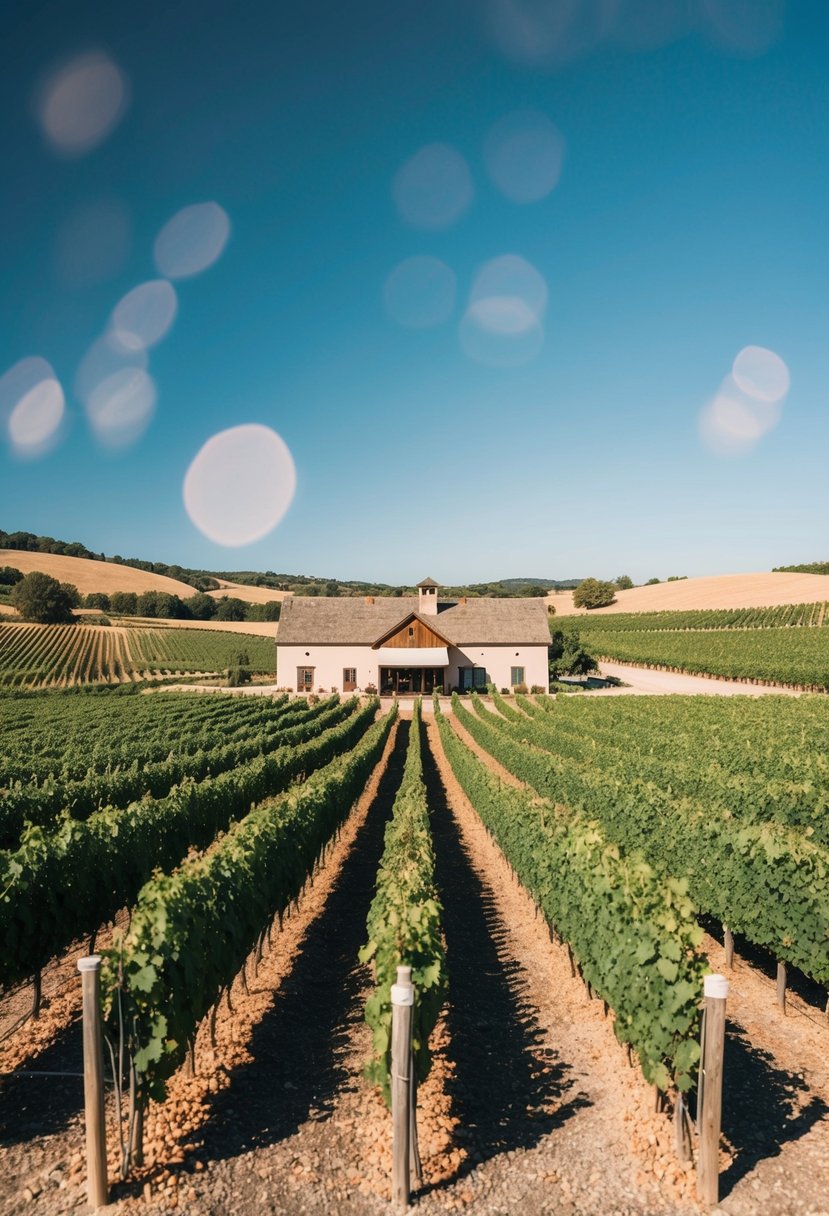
(298, 584)
(89, 576)
(764, 590)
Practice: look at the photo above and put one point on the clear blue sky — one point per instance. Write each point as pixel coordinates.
(689, 221)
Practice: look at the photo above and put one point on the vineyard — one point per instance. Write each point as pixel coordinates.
(40, 656)
(787, 616)
(798, 657)
(722, 798)
(266, 866)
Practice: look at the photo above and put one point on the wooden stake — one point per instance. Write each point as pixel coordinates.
(402, 1003)
(710, 1089)
(729, 947)
(781, 986)
(93, 1083)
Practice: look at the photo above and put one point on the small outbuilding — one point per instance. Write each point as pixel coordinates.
(412, 644)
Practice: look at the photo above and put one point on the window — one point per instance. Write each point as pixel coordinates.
(304, 679)
(516, 676)
(349, 679)
(411, 631)
(473, 677)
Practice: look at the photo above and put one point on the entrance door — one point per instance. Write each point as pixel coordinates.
(410, 681)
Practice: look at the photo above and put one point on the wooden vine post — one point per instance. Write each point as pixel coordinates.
(93, 1083)
(402, 1077)
(709, 1117)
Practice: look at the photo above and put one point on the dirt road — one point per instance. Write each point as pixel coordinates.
(643, 681)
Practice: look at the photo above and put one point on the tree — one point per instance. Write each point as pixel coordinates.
(239, 673)
(231, 609)
(567, 656)
(624, 582)
(171, 607)
(264, 612)
(148, 604)
(125, 603)
(201, 607)
(9, 575)
(97, 599)
(72, 593)
(593, 593)
(652, 582)
(42, 599)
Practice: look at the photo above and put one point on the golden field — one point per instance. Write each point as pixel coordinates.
(714, 591)
(88, 575)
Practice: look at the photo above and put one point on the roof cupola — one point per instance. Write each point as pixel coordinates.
(427, 597)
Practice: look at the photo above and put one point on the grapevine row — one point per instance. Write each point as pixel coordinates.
(791, 616)
(65, 736)
(404, 921)
(799, 657)
(63, 884)
(632, 931)
(766, 881)
(191, 931)
(79, 799)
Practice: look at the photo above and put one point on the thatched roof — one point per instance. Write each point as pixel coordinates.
(309, 620)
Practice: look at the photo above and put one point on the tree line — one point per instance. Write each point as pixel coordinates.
(40, 598)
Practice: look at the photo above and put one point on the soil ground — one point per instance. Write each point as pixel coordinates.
(642, 681)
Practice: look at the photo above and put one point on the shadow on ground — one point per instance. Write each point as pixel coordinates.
(764, 1106)
(508, 1088)
(810, 991)
(40, 1105)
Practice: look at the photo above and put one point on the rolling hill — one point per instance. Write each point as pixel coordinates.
(716, 591)
(89, 576)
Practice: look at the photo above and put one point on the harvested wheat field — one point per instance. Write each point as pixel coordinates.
(714, 591)
(88, 575)
(262, 629)
(251, 595)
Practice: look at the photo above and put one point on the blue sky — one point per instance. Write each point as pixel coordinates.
(688, 223)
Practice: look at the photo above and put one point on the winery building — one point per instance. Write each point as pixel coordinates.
(411, 644)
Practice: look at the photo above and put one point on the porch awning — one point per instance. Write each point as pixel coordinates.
(412, 656)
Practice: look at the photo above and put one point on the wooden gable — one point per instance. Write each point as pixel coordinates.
(412, 633)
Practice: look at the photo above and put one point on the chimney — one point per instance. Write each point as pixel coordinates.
(427, 597)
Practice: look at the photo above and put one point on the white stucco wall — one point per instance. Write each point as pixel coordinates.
(328, 663)
(498, 662)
